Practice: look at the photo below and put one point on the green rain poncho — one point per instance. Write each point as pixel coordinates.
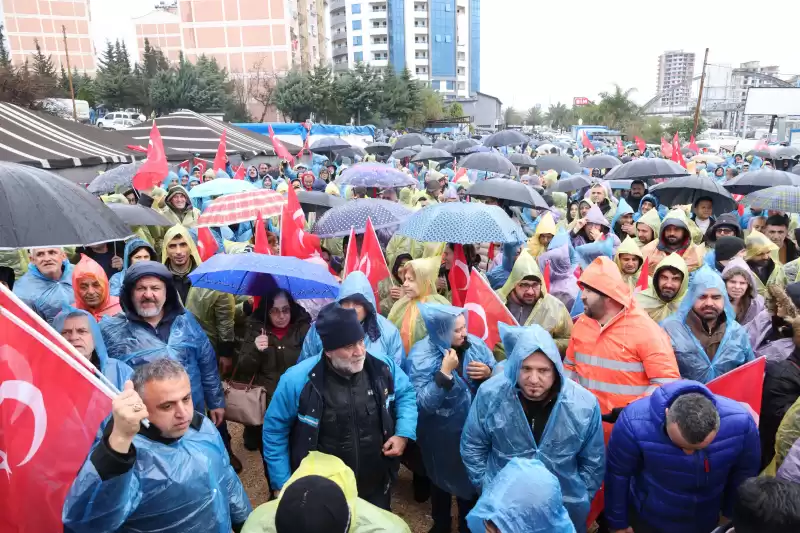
(629, 247)
(651, 302)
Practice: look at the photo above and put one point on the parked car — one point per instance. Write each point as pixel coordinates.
(121, 124)
(108, 120)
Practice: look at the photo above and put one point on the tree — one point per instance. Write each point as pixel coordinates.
(293, 96)
(114, 84)
(455, 110)
(559, 116)
(5, 56)
(357, 92)
(684, 126)
(431, 107)
(511, 116)
(262, 86)
(534, 117)
(617, 108)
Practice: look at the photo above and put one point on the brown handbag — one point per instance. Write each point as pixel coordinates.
(244, 403)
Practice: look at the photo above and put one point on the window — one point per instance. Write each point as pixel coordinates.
(451, 86)
(356, 9)
(357, 40)
(358, 57)
(462, 86)
(448, 7)
(356, 24)
(438, 38)
(447, 38)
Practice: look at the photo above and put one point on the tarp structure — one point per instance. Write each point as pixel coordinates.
(295, 133)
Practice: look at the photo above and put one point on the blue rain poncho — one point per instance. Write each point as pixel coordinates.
(382, 337)
(187, 486)
(523, 498)
(179, 336)
(660, 209)
(693, 362)
(571, 446)
(442, 412)
(45, 296)
(498, 275)
(115, 283)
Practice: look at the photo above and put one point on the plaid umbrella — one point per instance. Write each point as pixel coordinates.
(241, 207)
(784, 198)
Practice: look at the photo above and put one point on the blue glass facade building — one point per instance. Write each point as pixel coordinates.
(397, 34)
(443, 43)
(475, 46)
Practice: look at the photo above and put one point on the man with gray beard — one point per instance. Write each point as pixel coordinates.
(344, 401)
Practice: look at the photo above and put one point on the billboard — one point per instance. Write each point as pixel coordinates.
(580, 101)
(781, 101)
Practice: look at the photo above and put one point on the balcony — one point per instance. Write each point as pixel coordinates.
(339, 51)
(339, 35)
(338, 19)
(337, 4)
(340, 66)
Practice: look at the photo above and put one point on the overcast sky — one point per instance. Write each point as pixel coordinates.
(545, 52)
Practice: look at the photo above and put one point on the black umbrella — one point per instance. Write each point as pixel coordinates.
(381, 149)
(463, 145)
(445, 144)
(559, 163)
(689, 189)
(510, 191)
(573, 183)
(351, 151)
(116, 179)
(433, 154)
(796, 169)
(600, 161)
(318, 201)
(138, 215)
(405, 152)
(688, 151)
(40, 209)
(760, 179)
(522, 160)
(646, 168)
(411, 139)
(505, 138)
(327, 145)
(489, 162)
(783, 153)
(763, 154)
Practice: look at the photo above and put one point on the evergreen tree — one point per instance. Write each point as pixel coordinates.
(5, 56)
(63, 80)
(42, 64)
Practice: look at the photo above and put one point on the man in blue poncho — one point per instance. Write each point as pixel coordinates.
(533, 410)
(47, 285)
(136, 250)
(705, 336)
(171, 477)
(446, 368)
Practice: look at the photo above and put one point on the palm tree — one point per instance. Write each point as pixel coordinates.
(534, 116)
(510, 116)
(617, 109)
(559, 116)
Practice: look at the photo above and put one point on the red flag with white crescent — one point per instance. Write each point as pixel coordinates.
(485, 311)
(459, 276)
(154, 169)
(294, 241)
(280, 149)
(371, 260)
(240, 172)
(640, 144)
(351, 255)
(221, 159)
(206, 244)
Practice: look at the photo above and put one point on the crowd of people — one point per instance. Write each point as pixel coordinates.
(591, 414)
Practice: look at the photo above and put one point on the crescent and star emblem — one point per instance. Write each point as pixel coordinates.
(29, 395)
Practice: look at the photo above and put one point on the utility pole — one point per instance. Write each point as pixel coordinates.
(700, 95)
(69, 74)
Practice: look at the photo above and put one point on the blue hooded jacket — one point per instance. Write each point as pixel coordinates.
(257, 182)
(571, 446)
(178, 335)
(186, 486)
(662, 210)
(515, 503)
(498, 276)
(693, 362)
(115, 283)
(382, 337)
(442, 411)
(678, 492)
(171, 176)
(45, 296)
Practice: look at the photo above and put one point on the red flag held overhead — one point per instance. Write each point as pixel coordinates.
(586, 142)
(351, 257)
(240, 172)
(666, 148)
(693, 144)
(154, 169)
(371, 261)
(206, 244)
(546, 276)
(261, 244)
(202, 164)
(221, 159)
(642, 282)
(185, 166)
(485, 311)
(620, 148)
(280, 149)
(640, 144)
(459, 276)
(743, 384)
(294, 240)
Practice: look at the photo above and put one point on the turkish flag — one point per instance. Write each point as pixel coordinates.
(239, 172)
(640, 144)
(280, 149)
(206, 244)
(154, 169)
(185, 166)
(485, 311)
(586, 142)
(304, 148)
(459, 276)
(221, 158)
(666, 148)
(677, 155)
(202, 163)
(351, 257)
(642, 282)
(693, 144)
(51, 408)
(371, 261)
(261, 245)
(546, 275)
(459, 173)
(743, 384)
(295, 242)
(620, 149)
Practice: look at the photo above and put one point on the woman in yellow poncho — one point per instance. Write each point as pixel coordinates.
(419, 286)
(788, 433)
(545, 231)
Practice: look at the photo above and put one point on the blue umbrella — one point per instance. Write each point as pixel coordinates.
(116, 179)
(354, 213)
(220, 187)
(463, 223)
(255, 274)
(374, 175)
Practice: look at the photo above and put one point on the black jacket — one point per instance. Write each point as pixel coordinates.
(781, 390)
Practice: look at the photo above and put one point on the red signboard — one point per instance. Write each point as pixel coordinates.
(579, 101)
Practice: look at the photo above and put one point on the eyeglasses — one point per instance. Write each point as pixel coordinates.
(528, 285)
(275, 311)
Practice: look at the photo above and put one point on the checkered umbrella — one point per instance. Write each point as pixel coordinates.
(784, 198)
(241, 207)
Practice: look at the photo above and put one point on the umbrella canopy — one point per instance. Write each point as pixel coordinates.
(573, 183)
(318, 201)
(489, 162)
(116, 179)
(522, 160)
(760, 179)
(623, 185)
(351, 151)
(709, 158)
(446, 145)
(242, 207)
(559, 163)
(411, 139)
(463, 145)
(138, 215)
(505, 138)
(255, 274)
(688, 151)
(463, 223)
(689, 189)
(221, 187)
(381, 149)
(512, 192)
(762, 153)
(405, 152)
(434, 154)
(796, 169)
(644, 169)
(374, 175)
(782, 153)
(600, 161)
(784, 198)
(327, 145)
(546, 147)
(40, 209)
(354, 213)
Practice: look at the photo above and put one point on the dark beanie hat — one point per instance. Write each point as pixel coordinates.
(793, 291)
(338, 327)
(312, 504)
(727, 247)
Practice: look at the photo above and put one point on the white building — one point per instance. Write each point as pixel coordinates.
(743, 81)
(437, 40)
(675, 68)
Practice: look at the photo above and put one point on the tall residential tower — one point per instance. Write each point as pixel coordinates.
(675, 69)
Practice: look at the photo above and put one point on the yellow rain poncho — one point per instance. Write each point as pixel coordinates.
(651, 302)
(365, 517)
(546, 225)
(756, 244)
(630, 247)
(406, 196)
(405, 313)
(652, 220)
(788, 433)
(550, 178)
(332, 189)
(693, 254)
(548, 312)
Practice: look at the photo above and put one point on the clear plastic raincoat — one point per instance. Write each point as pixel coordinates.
(571, 446)
(515, 503)
(692, 254)
(733, 351)
(756, 319)
(44, 295)
(788, 433)
(756, 244)
(88, 268)
(131, 247)
(187, 486)
(563, 284)
(548, 312)
(405, 313)
(442, 412)
(382, 337)
(653, 221)
(629, 247)
(651, 301)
